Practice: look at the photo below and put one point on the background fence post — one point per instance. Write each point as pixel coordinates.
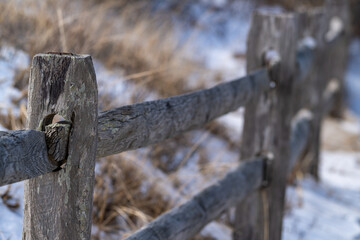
(309, 90)
(58, 205)
(337, 50)
(267, 124)
(330, 59)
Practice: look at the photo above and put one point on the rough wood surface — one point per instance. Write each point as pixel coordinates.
(339, 22)
(329, 63)
(57, 141)
(312, 24)
(58, 205)
(308, 93)
(188, 219)
(24, 154)
(267, 125)
(142, 124)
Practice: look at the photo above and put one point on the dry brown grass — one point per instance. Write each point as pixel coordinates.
(126, 198)
(121, 203)
(119, 34)
(335, 137)
(13, 121)
(295, 4)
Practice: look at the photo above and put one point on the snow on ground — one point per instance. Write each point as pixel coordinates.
(119, 91)
(10, 61)
(329, 210)
(11, 219)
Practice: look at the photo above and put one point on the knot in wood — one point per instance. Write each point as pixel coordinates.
(57, 142)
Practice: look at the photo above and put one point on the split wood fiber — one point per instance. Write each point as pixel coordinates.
(58, 205)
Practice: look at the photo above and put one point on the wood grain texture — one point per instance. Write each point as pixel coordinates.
(308, 93)
(329, 63)
(142, 124)
(57, 141)
(188, 219)
(337, 51)
(58, 205)
(24, 153)
(267, 124)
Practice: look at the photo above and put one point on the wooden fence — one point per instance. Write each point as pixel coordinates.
(296, 65)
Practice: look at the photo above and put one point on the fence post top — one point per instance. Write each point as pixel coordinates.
(62, 55)
(277, 14)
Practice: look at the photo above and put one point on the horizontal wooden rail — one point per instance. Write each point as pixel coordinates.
(142, 124)
(300, 132)
(293, 46)
(336, 29)
(305, 55)
(26, 154)
(329, 96)
(23, 155)
(188, 219)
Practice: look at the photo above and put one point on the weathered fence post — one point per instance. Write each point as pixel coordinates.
(308, 91)
(267, 123)
(330, 28)
(58, 205)
(339, 21)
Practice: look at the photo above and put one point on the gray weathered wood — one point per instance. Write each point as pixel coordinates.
(339, 25)
(305, 56)
(312, 25)
(267, 125)
(58, 205)
(308, 93)
(142, 124)
(57, 141)
(24, 153)
(300, 133)
(330, 96)
(188, 219)
(329, 62)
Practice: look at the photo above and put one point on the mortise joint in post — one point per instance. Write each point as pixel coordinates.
(57, 141)
(268, 158)
(271, 60)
